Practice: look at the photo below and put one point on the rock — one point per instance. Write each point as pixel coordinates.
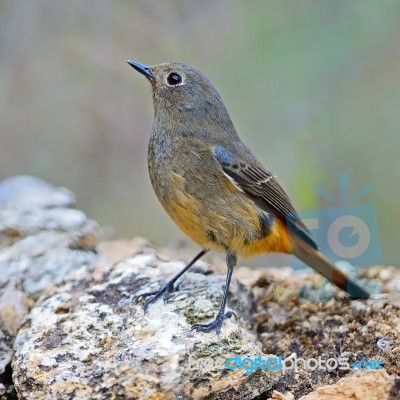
(364, 385)
(28, 192)
(280, 396)
(16, 224)
(277, 314)
(367, 329)
(14, 306)
(43, 260)
(93, 341)
(81, 334)
(117, 250)
(42, 240)
(5, 352)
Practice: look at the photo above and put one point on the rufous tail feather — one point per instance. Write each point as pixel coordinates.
(324, 266)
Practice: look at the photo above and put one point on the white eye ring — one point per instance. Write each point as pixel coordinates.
(174, 79)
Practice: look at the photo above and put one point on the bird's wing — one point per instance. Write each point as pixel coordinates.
(261, 186)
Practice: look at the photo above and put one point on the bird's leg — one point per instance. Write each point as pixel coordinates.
(168, 286)
(219, 319)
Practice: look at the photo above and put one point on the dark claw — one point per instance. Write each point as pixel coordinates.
(168, 286)
(148, 302)
(166, 296)
(165, 290)
(177, 286)
(138, 298)
(213, 325)
(171, 289)
(229, 314)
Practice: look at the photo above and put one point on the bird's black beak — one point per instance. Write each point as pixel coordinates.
(142, 68)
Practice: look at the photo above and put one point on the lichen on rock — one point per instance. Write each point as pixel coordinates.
(71, 322)
(96, 340)
(42, 240)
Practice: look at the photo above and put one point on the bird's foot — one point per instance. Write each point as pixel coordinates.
(213, 325)
(165, 291)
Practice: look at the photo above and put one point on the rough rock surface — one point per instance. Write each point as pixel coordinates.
(6, 354)
(359, 330)
(42, 240)
(94, 341)
(28, 192)
(81, 334)
(369, 385)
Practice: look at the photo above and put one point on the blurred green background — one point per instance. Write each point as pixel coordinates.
(312, 86)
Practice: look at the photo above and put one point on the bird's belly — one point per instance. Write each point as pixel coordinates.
(224, 220)
(207, 206)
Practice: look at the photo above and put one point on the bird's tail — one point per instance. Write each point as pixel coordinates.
(311, 256)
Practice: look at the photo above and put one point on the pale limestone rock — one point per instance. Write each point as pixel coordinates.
(42, 240)
(43, 260)
(14, 305)
(5, 352)
(364, 385)
(28, 192)
(280, 396)
(88, 339)
(92, 340)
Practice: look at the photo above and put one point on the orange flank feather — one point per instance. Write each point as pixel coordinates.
(216, 231)
(188, 221)
(276, 242)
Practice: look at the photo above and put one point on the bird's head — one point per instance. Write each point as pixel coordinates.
(182, 90)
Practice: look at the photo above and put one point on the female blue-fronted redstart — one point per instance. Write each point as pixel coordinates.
(214, 188)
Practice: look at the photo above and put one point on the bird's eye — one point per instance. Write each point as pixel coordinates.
(174, 79)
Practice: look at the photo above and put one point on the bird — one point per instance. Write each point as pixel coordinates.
(215, 189)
